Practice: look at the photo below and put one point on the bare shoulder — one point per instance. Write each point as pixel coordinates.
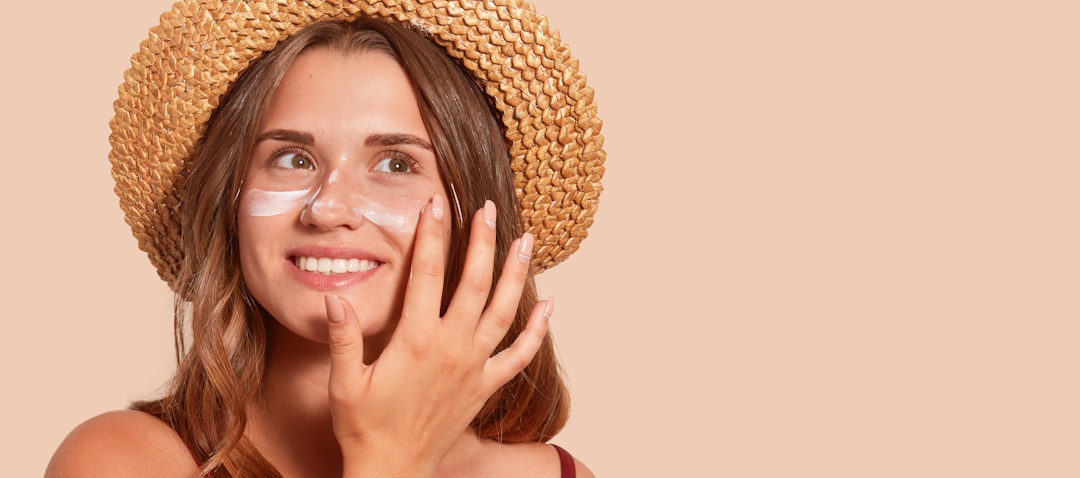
(122, 443)
(582, 471)
(537, 460)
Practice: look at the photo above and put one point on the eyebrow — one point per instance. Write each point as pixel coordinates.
(377, 139)
(394, 139)
(287, 135)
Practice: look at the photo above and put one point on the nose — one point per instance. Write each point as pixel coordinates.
(331, 205)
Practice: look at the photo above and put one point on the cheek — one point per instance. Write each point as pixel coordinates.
(259, 203)
(395, 214)
(261, 217)
(247, 233)
(399, 215)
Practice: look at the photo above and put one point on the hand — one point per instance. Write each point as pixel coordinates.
(400, 415)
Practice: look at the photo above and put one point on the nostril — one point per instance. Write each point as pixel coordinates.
(328, 207)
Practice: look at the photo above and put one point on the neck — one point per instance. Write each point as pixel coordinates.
(292, 423)
(292, 426)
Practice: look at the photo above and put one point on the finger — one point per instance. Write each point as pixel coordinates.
(475, 286)
(500, 313)
(346, 350)
(500, 368)
(423, 294)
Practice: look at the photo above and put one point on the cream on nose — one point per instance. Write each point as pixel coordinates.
(331, 205)
(338, 201)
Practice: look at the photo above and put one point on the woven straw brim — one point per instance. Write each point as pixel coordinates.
(200, 47)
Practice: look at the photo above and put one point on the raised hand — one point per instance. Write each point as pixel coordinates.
(400, 415)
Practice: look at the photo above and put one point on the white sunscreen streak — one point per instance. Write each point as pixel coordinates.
(387, 218)
(395, 219)
(272, 203)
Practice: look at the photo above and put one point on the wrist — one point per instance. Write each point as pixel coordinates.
(370, 463)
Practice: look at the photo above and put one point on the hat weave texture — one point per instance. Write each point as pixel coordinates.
(200, 47)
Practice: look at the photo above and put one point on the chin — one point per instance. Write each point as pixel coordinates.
(310, 322)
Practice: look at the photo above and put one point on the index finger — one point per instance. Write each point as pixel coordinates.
(475, 285)
(423, 293)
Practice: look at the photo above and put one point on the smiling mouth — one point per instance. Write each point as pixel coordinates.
(329, 266)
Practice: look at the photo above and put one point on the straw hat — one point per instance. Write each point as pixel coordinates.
(201, 46)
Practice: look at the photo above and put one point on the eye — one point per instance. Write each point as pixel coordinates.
(393, 165)
(293, 161)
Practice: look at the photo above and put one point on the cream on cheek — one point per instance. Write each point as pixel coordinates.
(400, 215)
(393, 213)
(259, 203)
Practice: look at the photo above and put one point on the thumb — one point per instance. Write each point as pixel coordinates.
(346, 349)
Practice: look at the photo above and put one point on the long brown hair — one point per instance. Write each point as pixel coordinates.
(221, 371)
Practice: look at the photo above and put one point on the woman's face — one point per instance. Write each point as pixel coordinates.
(341, 170)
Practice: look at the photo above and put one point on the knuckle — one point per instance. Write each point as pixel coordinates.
(520, 361)
(420, 344)
(431, 269)
(450, 361)
(478, 286)
(502, 319)
(341, 344)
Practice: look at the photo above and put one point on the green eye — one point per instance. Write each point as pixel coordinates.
(294, 161)
(393, 165)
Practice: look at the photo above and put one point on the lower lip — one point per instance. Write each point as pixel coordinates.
(320, 281)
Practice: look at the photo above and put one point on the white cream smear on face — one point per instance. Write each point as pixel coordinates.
(387, 218)
(272, 203)
(400, 219)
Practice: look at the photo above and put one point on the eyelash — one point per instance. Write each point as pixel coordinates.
(278, 153)
(414, 166)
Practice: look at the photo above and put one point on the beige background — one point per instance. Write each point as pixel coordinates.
(836, 240)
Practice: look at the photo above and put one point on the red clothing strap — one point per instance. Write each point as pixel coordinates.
(566, 463)
(197, 462)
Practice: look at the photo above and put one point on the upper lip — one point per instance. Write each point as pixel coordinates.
(333, 252)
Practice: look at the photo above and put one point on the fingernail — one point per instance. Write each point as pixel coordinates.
(549, 307)
(335, 311)
(489, 213)
(525, 248)
(437, 207)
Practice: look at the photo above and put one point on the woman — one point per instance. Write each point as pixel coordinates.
(347, 315)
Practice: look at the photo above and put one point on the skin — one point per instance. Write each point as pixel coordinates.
(320, 99)
(385, 388)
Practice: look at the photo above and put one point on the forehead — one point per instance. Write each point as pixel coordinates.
(356, 93)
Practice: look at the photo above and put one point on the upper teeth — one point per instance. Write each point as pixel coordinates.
(334, 266)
